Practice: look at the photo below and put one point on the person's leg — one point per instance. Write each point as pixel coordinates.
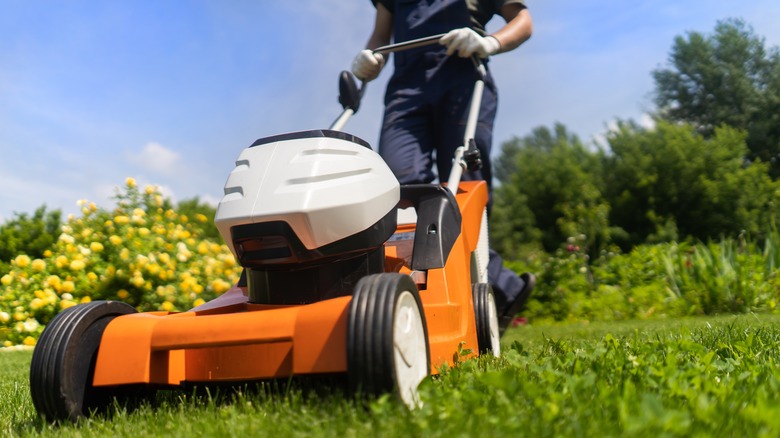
(510, 290)
(405, 141)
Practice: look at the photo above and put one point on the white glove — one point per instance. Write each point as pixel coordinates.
(467, 42)
(367, 65)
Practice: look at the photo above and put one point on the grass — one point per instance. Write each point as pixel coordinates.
(714, 376)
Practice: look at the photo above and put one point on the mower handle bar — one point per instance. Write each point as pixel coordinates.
(407, 45)
(459, 163)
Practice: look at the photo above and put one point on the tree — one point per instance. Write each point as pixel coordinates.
(727, 78)
(31, 235)
(670, 182)
(551, 190)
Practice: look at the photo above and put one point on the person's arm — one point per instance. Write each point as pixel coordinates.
(367, 64)
(466, 42)
(383, 28)
(518, 27)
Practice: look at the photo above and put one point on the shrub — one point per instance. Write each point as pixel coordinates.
(140, 252)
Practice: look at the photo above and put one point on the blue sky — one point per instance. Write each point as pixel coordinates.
(169, 92)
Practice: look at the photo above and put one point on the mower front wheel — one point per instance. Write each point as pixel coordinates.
(387, 338)
(488, 336)
(63, 362)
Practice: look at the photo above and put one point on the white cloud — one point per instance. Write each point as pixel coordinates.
(156, 158)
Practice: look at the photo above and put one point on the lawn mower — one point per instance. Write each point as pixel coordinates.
(345, 272)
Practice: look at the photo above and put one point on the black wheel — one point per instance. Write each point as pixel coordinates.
(488, 336)
(387, 338)
(63, 361)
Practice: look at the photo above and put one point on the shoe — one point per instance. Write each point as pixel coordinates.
(505, 319)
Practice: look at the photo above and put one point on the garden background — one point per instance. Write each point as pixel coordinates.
(672, 219)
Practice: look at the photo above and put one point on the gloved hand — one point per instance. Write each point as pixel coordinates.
(367, 65)
(467, 42)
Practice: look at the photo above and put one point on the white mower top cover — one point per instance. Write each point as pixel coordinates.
(327, 185)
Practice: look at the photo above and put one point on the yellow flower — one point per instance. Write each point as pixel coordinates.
(77, 265)
(122, 294)
(143, 231)
(130, 182)
(47, 253)
(61, 261)
(4, 317)
(201, 217)
(91, 276)
(138, 280)
(199, 302)
(30, 325)
(115, 240)
(219, 285)
(121, 219)
(67, 238)
(96, 246)
(37, 303)
(38, 265)
(86, 300)
(29, 341)
(8, 344)
(167, 306)
(22, 261)
(54, 281)
(149, 190)
(6, 280)
(64, 304)
(68, 286)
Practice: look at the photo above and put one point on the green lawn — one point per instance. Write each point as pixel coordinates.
(715, 376)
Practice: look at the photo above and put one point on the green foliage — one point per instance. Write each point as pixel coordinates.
(727, 78)
(551, 190)
(656, 281)
(669, 182)
(660, 184)
(31, 235)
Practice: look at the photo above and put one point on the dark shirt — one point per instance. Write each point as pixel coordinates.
(481, 10)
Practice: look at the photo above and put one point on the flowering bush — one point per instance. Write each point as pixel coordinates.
(142, 252)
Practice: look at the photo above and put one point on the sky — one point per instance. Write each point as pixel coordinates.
(170, 92)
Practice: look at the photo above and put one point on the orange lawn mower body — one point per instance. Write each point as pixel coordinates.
(345, 272)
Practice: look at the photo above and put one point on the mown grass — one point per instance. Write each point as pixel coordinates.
(715, 376)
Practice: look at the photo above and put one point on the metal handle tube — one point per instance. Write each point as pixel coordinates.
(339, 123)
(476, 102)
(459, 164)
(406, 45)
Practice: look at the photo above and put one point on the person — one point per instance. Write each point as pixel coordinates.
(428, 95)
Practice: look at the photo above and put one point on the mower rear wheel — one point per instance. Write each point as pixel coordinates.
(63, 362)
(387, 338)
(488, 336)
